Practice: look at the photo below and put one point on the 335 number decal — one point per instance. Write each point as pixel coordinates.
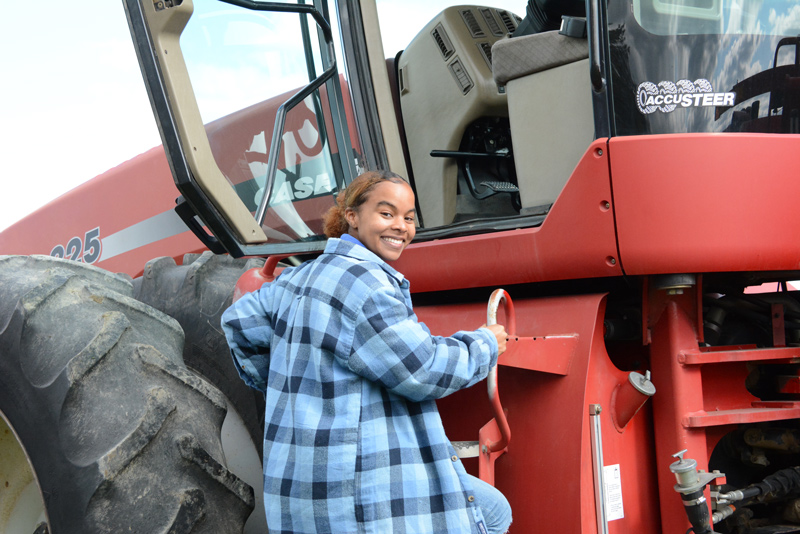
(86, 250)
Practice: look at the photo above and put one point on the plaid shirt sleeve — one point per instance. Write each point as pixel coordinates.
(392, 348)
(248, 330)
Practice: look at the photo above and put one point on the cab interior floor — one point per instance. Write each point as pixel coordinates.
(468, 207)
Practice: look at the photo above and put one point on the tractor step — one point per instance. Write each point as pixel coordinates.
(466, 449)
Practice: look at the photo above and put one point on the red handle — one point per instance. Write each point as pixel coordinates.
(494, 395)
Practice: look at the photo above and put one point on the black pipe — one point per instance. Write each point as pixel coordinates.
(697, 511)
(777, 485)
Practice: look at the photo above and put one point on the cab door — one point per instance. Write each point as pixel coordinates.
(254, 117)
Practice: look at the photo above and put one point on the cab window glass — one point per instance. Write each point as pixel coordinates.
(244, 64)
(759, 17)
(731, 66)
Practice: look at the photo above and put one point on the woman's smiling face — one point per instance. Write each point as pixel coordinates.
(385, 222)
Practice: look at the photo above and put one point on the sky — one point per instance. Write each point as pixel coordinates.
(72, 101)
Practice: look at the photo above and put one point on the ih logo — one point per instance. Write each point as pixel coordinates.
(666, 96)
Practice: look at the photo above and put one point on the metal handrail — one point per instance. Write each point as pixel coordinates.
(491, 380)
(280, 118)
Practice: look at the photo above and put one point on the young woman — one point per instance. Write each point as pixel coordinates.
(353, 442)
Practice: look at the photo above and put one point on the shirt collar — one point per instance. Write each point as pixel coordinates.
(351, 239)
(350, 247)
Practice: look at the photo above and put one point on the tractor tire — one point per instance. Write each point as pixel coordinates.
(121, 437)
(196, 294)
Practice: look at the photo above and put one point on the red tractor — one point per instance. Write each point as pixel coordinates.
(624, 170)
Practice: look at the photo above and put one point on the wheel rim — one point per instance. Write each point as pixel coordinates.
(243, 461)
(21, 504)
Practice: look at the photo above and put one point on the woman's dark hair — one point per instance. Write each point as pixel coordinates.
(353, 196)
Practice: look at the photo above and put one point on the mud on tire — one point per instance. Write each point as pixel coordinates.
(121, 436)
(195, 294)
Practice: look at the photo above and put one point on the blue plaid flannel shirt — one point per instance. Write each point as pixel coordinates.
(353, 440)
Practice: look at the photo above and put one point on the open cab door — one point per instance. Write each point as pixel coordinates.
(248, 100)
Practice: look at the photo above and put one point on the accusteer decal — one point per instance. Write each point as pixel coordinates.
(666, 96)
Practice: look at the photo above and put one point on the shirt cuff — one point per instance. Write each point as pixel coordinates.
(491, 340)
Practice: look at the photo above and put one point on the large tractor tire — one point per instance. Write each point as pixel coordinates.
(195, 294)
(120, 436)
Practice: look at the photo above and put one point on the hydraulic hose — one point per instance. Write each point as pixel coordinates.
(697, 511)
(739, 495)
(776, 486)
(722, 513)
(691, 485)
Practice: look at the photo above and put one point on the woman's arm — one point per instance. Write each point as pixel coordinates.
(392, 348)
(248, 330)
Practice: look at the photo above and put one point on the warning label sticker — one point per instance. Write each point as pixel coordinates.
(613, 483)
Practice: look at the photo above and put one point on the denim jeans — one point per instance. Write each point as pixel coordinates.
(494, 506)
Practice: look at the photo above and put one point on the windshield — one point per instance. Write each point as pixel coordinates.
(246, 66)
(681, 66)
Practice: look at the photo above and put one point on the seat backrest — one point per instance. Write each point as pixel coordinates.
(550, 110)
(522, 56)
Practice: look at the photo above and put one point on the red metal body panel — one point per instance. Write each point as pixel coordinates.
(706, 203)
(739, 354)
(576, 240)
(547, 472)
(550, 354)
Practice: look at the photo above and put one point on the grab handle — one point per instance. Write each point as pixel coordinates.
(491, 380)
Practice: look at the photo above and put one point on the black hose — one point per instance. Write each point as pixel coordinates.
(750, 492)
(697, 511)
(777, 485)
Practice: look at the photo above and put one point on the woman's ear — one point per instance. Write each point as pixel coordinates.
(351, 217)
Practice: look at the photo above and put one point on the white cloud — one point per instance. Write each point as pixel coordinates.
(787, 23)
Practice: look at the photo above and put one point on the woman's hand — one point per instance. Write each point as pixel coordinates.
(500, 333)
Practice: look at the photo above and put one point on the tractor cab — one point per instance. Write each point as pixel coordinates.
(268, 109)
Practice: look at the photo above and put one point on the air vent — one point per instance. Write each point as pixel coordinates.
(461, 76)
(486, 52)
(443, 41)
(491, 22)
(402, 84)
(472, 23)
(508, 21)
